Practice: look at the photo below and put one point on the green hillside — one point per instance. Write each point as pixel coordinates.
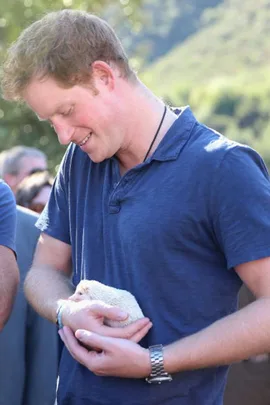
(161, 26)
(236, 39)
(215, 58)
(223, 72)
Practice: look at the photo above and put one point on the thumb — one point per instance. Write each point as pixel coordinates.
(108, 311)
(91, 339)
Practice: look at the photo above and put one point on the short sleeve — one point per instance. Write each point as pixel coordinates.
(7, 217)
(240, 207)
(54, 220)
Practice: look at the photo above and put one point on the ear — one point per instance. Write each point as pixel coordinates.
(103, 74)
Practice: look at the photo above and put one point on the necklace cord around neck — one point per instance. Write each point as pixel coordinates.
(156, 134)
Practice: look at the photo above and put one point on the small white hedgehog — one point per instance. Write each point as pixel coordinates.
(94, 290)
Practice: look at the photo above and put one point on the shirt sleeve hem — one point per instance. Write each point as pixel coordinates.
(249, 257)
(56, 235)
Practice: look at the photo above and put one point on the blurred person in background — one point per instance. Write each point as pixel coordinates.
(28, 344)
(33, 191)
(149, 200)
(9, 274)
(18, 162)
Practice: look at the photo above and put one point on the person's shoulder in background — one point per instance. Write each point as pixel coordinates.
(26, 215)
(27, 235)
(27, 218)
(7, 217)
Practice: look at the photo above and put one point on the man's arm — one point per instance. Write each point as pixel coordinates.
(230, 339)
(48, 280)
(47, 286)
(9, 279)
(235, 337)
(9, 273)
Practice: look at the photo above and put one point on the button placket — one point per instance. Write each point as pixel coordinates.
(118, 192)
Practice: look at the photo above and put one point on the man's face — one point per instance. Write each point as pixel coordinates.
(80, 115)
(27, 165)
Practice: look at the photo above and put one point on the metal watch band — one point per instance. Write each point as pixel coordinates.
(59, 316)
(158, 374)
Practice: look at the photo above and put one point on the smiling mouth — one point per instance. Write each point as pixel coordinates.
(85, 139)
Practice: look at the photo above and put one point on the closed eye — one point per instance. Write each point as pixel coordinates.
(68, 112)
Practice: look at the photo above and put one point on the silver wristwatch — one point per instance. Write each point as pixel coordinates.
(158, 374)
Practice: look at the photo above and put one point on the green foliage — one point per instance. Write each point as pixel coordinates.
(163, 25)
(18, 125)
(235, 38)
(240, 112)
(211, 54)
(222, 71)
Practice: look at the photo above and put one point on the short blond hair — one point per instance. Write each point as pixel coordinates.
(62, 45)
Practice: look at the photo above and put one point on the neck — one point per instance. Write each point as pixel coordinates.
(143, 116)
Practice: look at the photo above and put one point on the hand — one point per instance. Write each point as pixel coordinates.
(114, 357)
(90, 315)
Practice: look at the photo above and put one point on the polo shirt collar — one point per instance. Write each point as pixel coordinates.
(176, 137)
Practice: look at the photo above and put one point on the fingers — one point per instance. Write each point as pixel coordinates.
(91, 339)
(69, 340)
(94, 360)
(126, 332)
(108, 311)
(113, 355)
(141, 333)
(77, 351)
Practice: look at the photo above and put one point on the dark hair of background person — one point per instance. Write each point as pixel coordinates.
(30, 187)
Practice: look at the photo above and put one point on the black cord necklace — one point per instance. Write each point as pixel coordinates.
(156, 134)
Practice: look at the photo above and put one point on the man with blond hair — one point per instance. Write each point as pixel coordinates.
(148, 200)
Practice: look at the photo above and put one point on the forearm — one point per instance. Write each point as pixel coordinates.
(231, 339)
(9, 279)
(45, 287)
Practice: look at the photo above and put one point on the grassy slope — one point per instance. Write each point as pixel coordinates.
(234, 45)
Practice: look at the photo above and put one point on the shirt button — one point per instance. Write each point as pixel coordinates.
(114, 209)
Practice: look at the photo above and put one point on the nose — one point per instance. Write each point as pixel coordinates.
(63, 130)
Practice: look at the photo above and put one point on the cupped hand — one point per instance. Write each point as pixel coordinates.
(110, 357)
(89, 315)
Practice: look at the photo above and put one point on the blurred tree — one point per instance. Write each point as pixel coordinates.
(18, 125)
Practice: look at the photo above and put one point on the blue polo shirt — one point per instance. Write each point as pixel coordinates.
(7, 216)
(170, 231)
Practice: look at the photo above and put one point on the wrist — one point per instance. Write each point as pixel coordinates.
(166, 359)
(176, 360)
(147, 363)
(59, 316)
